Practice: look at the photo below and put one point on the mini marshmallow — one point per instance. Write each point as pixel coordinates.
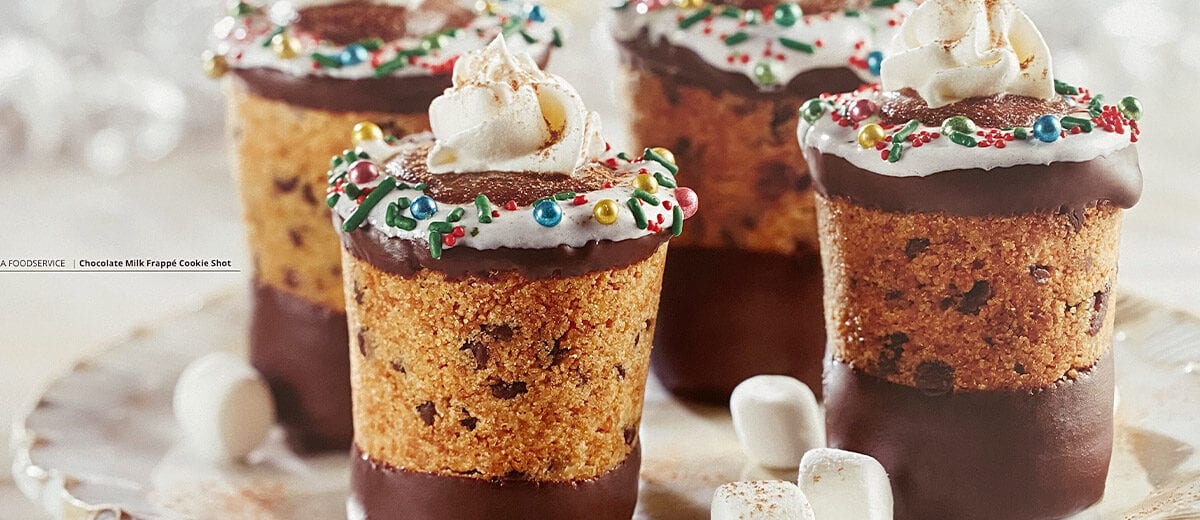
(776, 419)
(223, 407)
(760, 500)
(843, 485)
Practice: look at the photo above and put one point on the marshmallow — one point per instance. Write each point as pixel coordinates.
(776, 419)
(223, 406)
(843, 485)
(760, 500)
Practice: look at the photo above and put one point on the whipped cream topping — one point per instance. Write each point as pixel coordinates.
(952, 50)
(1092, 129)
(245, 39)
(506, 114)
(517, 227)
(759, 45)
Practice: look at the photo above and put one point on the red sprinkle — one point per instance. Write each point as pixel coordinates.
(511, 205)
(495, 213)
(666, 204)
(449, 240)
(885, 154)
(459, 231)
(579, 200)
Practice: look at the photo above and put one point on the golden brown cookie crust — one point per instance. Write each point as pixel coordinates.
(971, 303)
(741, 157)
(501, 377)
(282, 154)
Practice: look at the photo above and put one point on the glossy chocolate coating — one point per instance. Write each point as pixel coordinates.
(991, 455)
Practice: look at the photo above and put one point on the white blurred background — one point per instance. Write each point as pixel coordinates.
(110, 145)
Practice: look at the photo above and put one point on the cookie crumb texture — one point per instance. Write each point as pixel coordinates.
(282, 154)
(944, 303)
(501, 377)
(739, 154)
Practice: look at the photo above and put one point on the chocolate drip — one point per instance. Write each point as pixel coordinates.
(1062, 187)
(686, 66)
(381, 491)
(993, 455)
(404, 257)
(301, 350)
(349, 22)
(999, 111)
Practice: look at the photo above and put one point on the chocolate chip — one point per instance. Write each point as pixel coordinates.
(934, 378)
(399, 367)
(515, 475)
(976, 298)
(468, 472)
(363, 347)
(1040, 274)
(1020, 369)
(427, 411)
(630, 434)
(893, 349)
(479, 351)
(637, 340)
(1099, 312)
(557, 353)
(358, 293)
(469, 423)
(309, 198)
(978, 264)
(286, 185)
(915, 246)
(1075, 217)
(290, 278)
(893, 295)
(296, 237)
(620, 371)
(498, 332)
(506, 390)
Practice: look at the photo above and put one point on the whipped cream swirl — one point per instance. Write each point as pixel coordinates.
(505, 114)
(952, 50)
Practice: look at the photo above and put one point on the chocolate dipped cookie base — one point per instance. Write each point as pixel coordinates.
(379, 491)
(728, 315)
(991, 455)
(300, 349)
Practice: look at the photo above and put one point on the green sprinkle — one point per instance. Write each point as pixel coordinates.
(441, 227)
(1065, 89)
(638, 216)
(363, 155)
(243, 9)
(851, 13)
(664, 181)
(566, 195)
(736, 38)
(556, 38)
(527, 37)
(511, 26)
(388, 67)
(650, 155)
(332, 199)
(415, 51)
(624, 157)
(646, 196)
(456, 215)
(270, 36)
(906, 131)
(420, 186)
(730, 11)
(326, 61)
(1096, 106)
(350, 156)
(474, 231)
(336, 161)
(897, 150)
(1021, 133)
(405, 223)
(403, 202)
(963, 139)
(485, 209)
(695, 18)
(677, 222)
(352, 190)
(797, 45)
(360, 214)
(884, 3)
(372, 44)
(435, 244)
(1072, 122)
(392, 212)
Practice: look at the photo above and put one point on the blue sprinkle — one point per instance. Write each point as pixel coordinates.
(1047, 129)
(547, 213)
(354, 54)
(875, 62)
(536, 14)
(423, 208)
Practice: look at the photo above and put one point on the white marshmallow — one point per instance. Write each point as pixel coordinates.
(760, 500)
(223, 407)
(843, 485)
(776, 419)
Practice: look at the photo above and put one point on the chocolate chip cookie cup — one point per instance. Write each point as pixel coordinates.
(502, 278)
(969, 233)
(719, 85)
(299, 75)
